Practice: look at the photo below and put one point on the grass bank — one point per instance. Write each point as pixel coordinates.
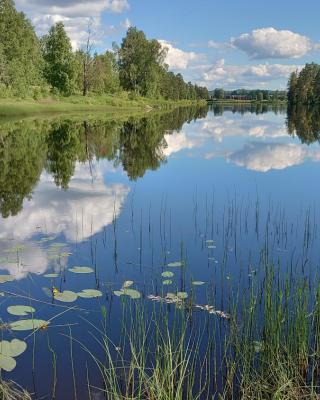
(108, 104)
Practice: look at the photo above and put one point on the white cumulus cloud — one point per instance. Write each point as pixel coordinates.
(177, 58)
(273, 43)
(76, 15)
(228, 75)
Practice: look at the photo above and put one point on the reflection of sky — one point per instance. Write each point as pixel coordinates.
(77, 213)
(256, 142)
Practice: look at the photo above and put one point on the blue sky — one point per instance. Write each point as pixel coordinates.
(226, 44)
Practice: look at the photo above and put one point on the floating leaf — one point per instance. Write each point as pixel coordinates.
(198, 283)
(167, 282)
(81, 270)
(67, 296)
(6, 278)
(134, 294)
(167, 274)
(182, 295)
(51, 276)
(13, 348)
(127, 284)
(209, 241)
(28, 324)
(176, 264)
(119, 293)
(20, 310)
(57, 245)
(89, 293)
(171, 296)
(7, 363)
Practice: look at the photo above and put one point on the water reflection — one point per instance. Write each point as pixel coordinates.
(28, 148)
(305, 123)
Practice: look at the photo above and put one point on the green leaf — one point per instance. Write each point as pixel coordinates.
(182, 295)
(167, 282)
(6, 278)
(89, 293)
(28, 324)
(7, 363)
(81, 270)
(176, 264)
(51, 276)
(119, 293)
(127, 284)
(67, 296)
(134, 294)
(13, 348)
(167, 274)
(20, 310)
(198, 283)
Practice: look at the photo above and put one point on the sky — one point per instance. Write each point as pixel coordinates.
(230, 44)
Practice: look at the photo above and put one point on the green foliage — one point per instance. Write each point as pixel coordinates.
(140, 63)
(304, 87)
(30, 67)
(59, 67)
(20, 56)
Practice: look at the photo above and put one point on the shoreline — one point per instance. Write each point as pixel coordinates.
(12, 107)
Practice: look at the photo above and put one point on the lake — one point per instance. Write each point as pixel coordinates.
(117, 233)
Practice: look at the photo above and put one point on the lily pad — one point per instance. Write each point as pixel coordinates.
(182, 295)
(13, 348)
(127, 284)
(81, 270)
(198, 283)
(132, 293)
(20, 310)
(28, 324)
(89, 293)
(51, 275)
(67, 296)
(6, 278)
(119, 293)
(57, 245)
(167, 282)
(7, 363)
(175, 264)
(167, 274)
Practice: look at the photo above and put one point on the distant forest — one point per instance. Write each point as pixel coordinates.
(247, 94)
(304, 86)
(38, 67)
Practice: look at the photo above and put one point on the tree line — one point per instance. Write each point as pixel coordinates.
(304, 86)
(248, 94)
(32, 66)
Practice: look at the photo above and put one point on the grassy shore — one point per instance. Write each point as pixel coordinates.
(109, 104)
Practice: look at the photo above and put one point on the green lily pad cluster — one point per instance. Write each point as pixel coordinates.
(8, 352)
(177, 296)
(127, 291)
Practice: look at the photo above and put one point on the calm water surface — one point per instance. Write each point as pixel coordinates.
(220, 189)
